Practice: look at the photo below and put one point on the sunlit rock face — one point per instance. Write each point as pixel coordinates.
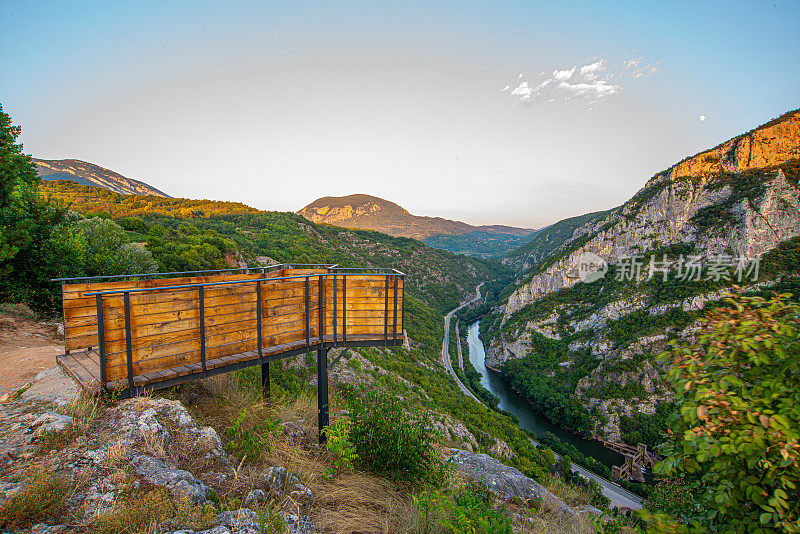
(740, 199)
(772, 144)
(662, 212)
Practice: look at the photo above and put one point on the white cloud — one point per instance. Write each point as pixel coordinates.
(593, 70)
(522, 90)
(585, 84)
(701, 118)
(561, 75)
(637, 67)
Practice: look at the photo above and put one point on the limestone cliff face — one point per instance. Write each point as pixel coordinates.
(662, 212)
(85, 173)
(771, 144)
(738, 199)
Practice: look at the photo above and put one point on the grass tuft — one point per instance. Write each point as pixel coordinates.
(143, 512)
(42, 499)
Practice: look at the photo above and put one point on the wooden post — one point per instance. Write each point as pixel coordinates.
(265, 380)
(322, 391)
(126, 298)
(265, 389)
(101, 342)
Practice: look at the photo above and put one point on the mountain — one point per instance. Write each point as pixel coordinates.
(584, 353)
(436, 277)
(548, 239)
(367, 212)
(84, 173)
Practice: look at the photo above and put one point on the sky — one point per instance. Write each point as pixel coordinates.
(518, 113)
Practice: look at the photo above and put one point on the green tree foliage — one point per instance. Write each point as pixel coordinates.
(737, 431)
(17, 173)
(552, 396)
(106, 249)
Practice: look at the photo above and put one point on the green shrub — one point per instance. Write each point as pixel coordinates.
(390, 438)
(468, 510)
(250, 442)
(736, 432)
(340, 446)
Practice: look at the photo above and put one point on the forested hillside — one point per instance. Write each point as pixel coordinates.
(187, 234)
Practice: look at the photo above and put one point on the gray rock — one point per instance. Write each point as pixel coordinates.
(181, 483)
(276, 478)
(302, 493)
(9, 489)
(51, 422)
(256, 496)
(236, 520)
(43, 528)
(504, 481)
(149, 425)
(298, 524)
(216, 530)
(52, 385)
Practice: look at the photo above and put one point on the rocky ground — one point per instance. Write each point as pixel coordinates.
(105, 458)
(70, 463)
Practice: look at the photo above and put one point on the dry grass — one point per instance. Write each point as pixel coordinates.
(42, 499)
(116, 454)
(153, 445)
(360, 502)
(83, 409)
(143, 512)
(17, 309)
(571, 494)
(142, 402)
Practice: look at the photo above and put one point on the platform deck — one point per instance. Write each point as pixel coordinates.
(84, 366)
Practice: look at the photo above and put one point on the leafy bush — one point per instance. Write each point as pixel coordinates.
(467, 510)
(250, 442)
(737, 429)
(339, 444)
(392, 439)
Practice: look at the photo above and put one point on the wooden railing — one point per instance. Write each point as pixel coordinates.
(151, 333)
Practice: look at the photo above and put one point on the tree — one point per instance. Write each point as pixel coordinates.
(16, 171)
(106, 249)
(736, 434)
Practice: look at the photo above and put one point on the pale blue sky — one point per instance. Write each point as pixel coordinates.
(276, 104)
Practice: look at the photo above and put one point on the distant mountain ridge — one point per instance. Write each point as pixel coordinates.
(85, 173)
(367, 212)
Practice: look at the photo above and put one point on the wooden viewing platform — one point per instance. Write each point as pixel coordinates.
(636, 459)
(130, 336)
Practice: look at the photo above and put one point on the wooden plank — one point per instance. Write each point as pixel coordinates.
(84, 287)
(78, 372)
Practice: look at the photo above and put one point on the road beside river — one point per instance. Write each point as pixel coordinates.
(531, 421)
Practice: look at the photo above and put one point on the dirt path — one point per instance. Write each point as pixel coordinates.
(26, 348)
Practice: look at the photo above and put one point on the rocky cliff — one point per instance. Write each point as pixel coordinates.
(85, 173)
(772, 144)
(760, 209)
(738, 201)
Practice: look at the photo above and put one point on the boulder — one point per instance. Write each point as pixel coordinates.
(51, 422)
(240, 519)
(275, 477)
(504, 481)
(181, 483)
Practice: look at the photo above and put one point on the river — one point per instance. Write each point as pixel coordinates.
(514, 403)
